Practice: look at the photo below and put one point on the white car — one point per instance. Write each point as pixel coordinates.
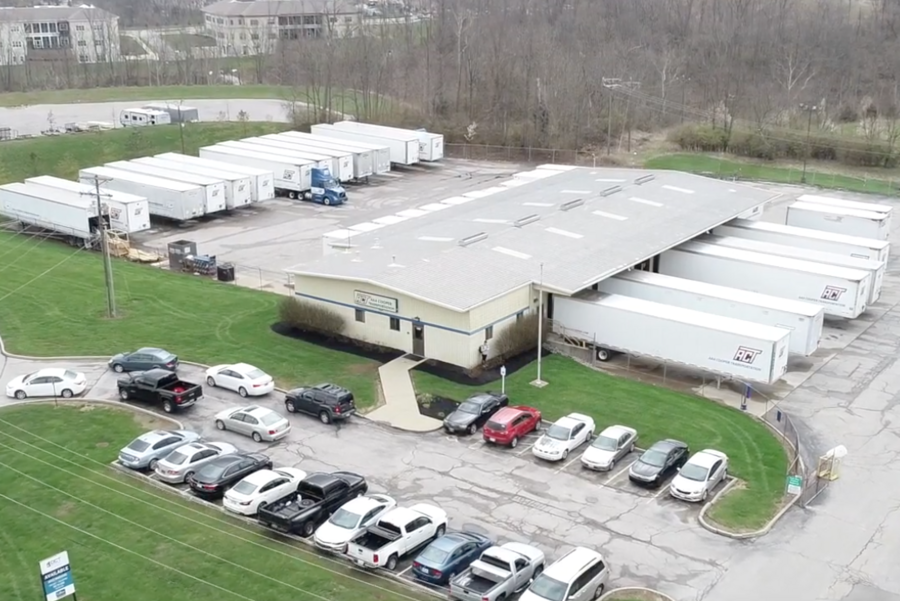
(261, 488)
(350, 520)
(699, 476)
(244, 379)
(610, 446)
(50, 381)
(565, 435)
(259, 423)
(186, 460)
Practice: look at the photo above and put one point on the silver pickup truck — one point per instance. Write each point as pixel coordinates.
(498, 574)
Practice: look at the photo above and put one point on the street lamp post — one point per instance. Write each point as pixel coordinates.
(539, 383)
(810, 109)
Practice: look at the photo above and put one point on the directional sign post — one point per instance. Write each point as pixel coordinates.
(502, 379)
(56, 577)
(794, 485)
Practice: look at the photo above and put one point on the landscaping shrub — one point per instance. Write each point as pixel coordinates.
(518, 338)
(309, 317)
(700, 138)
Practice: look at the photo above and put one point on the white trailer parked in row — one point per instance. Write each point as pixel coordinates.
(67, 213)
(381, 154)
(127, 213)
(851, 246)
(840, 291)
(404, 148)
(850, 222)
(167, 198)
(237, 186)
(292, 156)
(262, 181)
(872, 207)
(339, 163)
(291, 179)
(431, 146)
(803, 320)
(721, 345)
(214, 188)
(875, 268)
(363, 158)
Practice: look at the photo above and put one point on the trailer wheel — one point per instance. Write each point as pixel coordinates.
(603, 354)
(292, 195)
(326, 201)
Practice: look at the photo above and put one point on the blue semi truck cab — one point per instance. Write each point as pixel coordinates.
(325, 189)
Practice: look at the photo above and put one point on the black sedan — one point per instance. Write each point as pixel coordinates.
(474, 412)
(659, 461)
(222, 473)
(144, 359)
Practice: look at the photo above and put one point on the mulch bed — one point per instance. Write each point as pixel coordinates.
(477, 377)
(345, 346)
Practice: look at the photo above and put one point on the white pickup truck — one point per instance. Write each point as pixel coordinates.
(499, 573)
(398, 533)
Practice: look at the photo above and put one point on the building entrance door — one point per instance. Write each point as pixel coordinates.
(418, 335)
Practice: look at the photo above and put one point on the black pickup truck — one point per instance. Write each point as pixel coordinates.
(317, 497)
(160, 387)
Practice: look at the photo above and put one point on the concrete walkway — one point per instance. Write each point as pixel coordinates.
(400, 409)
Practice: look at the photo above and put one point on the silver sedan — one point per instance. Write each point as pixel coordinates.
(186, 460)
(257, 422)
(146, 450)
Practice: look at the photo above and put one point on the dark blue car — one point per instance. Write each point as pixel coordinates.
(448, 556)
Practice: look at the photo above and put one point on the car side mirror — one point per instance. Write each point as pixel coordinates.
(678, 469)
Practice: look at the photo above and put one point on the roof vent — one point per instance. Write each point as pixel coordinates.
(644, 179)
(526, 220)
(473, 239)
(567, 206)
(611, 190)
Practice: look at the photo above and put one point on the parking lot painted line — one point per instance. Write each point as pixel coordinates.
(663, 488)
(526, 449)
(404, 570)
(578, 458)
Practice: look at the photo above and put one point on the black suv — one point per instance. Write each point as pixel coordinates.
(327, 401)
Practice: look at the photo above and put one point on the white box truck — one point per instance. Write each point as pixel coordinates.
(804, 320)
(167, 198)
(404, 148)
(851, 246)
(67, 213)
(721, 345)
(431, 146)
(363, 158)
(875, 268)
(214, 188)
(839, 220)
(127, 212)
(381, 154)
(237, 186)
(262, 181)
(872, 207)
(840, 291)
(340, 164)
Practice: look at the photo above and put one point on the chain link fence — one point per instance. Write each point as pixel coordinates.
(484, 152)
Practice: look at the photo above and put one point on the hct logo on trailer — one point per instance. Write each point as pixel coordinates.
(833, 293)
(746, 355)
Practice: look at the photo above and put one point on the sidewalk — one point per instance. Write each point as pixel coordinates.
(400, 409)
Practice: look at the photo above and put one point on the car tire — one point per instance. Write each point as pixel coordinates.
(168, 407)
(441, 531)
(152, 465)
(66, 393)
(514, 442)
(705, 496)
(260, 507)
(243, 392)
(187, 476)
(599, 591)
(391, 564)
(20, 394)
(289, 407)
(256, 437)
(123, 394)
(118, 368)
(537, 572)
(220, 425)
(308, 529)
(211, 382)
(589, 436)
(472, 429)
(324, 417)
(565, 454)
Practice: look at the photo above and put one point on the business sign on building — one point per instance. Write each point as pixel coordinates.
(375, 301)
(56, 577)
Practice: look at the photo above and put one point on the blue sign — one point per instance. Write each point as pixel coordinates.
(56, 577)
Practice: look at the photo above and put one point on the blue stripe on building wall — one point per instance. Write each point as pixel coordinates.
(401, 318)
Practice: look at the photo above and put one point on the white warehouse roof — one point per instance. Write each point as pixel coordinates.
(581, 224)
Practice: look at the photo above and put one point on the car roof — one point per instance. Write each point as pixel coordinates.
(706, 458)
(451, 541)
(262, 477)
(151, 350)
(568, 422)
(617, 431)
(481, 397)
(256, 410)
(361, 504)
(243, 367)
(52, 371)
(506, 415)
(332, 388)
(667, 444)
(155, 435)
(401, 515)
(192, 447)
(569, 565)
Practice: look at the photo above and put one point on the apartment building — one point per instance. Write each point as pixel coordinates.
(53, 33)
(245, 27)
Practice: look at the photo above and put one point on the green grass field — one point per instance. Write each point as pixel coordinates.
(725, 168)
(755, 455)
(64, 155)
(127, 540)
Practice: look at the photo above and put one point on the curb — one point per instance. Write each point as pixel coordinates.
(86, 401)
(635, 589)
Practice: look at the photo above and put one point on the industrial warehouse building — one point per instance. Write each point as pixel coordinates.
(440, 280)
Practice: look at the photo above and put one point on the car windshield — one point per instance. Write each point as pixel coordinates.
(176, 458)
(558, 432)
(495, 426)
(255, 374)
(270, 419)
(139, 445)
(548, 588)
(345, 519)
(245, 488)
(434, 555)
(470, 407)
(692, 471)
(654, 458)
(605, 443)
(70, 375)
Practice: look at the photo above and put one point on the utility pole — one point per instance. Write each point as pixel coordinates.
(540, 383)
(614, 83)
(810, 109)
(181, 125)
(104, 248)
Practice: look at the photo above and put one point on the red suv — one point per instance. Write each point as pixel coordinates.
(510, 424)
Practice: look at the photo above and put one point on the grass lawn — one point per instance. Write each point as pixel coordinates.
(127, 540)
(181, 41)
(64, 155)
(707, 164)
(62, 312)
(756, 456)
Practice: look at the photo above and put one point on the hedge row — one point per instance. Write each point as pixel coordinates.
(785, 145)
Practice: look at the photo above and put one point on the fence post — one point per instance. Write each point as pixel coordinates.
(259, 269)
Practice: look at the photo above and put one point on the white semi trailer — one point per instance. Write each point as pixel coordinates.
(294, 156)
(842, 292)
(67, 213)
(262, 180)
(871, 207)
(340, 163)
(404, 148)
(363, 159)
(875, 268)
(167, 198)
(431, 146)
(291, 179)
(214, 188)
(127, 212)
(803, 320)
(721, 345)
(840, 220)
(381, 154)
(237, 186)
(851, 246)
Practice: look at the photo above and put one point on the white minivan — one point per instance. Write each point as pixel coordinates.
(580, 575)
